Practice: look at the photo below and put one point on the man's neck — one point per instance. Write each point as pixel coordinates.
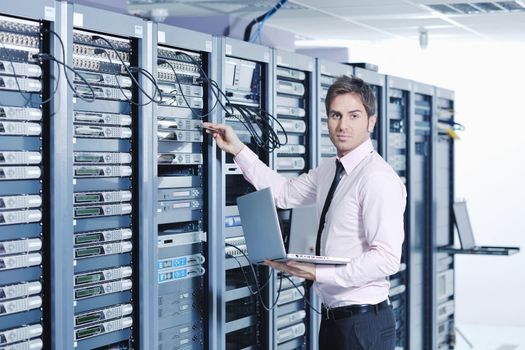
(341, 155)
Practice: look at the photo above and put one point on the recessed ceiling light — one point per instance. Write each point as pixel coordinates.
(492, 7)
(444, 8)
(488, 6)
(511, 5)
(465, 8)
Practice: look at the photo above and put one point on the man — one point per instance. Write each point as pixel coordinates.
(361, 210)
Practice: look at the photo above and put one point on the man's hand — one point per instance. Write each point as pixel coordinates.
(226, 138)
(294, 268)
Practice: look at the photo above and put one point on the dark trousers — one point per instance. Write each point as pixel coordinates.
(369, 331)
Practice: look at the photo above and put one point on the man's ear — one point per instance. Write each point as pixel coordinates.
(372, 122)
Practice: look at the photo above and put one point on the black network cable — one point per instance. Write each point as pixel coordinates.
(271, 136)
(280, 282)
(302, 295)
(65, 66)
(203, 73)
(259, 289)
(163, 61)
(75, 72)
(148, 75)
(132, 77)
(248, 123)
(152, 79)
(248, 284)
(278, 123)
(28, 100)
(221, 93)
(55, 89)
(268, 138)
(251, 266)
(201, 116)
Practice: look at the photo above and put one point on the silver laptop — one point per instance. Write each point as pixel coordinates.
(262, 232)
(466, 234)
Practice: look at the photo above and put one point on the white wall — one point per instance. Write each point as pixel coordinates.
(489, 80)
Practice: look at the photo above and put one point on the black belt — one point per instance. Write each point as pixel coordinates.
(351, 310)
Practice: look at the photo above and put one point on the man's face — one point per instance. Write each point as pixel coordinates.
(348, 124)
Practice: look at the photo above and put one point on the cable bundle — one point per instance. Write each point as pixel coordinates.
(130, 70)
(257, 121)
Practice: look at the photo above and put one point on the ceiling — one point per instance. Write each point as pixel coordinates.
(353, 19)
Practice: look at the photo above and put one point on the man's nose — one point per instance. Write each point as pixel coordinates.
(344, 123)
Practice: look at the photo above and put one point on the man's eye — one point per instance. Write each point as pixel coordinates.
(354, 116)
(335, 116)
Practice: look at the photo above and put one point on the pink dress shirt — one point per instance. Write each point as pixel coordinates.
(364, 221)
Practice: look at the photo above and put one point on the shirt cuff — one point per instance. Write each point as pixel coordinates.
(325, 274)
(245, 158)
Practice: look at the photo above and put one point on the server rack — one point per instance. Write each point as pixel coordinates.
(396, 141)
(422, 182)
(327, 72)
(25, 218)
(442, 301)
(110, 204)
(183, 213)
(377, 81)
(295, 326)
(244, 74)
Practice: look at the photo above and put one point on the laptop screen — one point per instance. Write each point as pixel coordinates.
(303, 230)
(466, 235)
(260, 226)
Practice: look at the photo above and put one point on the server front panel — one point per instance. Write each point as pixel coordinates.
(104, 199)
(245, 291)
(446, 136)
(293, 97)
(421, 177)
(396, 154)
(181, 194)
(23, 182)
(326, 147)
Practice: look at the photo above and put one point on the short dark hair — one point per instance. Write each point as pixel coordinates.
(348, 85)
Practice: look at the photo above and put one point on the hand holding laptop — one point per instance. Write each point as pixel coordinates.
(263, 235)
(294, 268)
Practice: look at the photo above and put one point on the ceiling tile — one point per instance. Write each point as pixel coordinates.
(351, 19)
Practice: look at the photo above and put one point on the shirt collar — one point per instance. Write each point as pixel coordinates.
(355, 156)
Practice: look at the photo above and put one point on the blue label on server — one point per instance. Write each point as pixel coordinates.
(177, 262)
(173, 275)
(232, 221)
(180, 274)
